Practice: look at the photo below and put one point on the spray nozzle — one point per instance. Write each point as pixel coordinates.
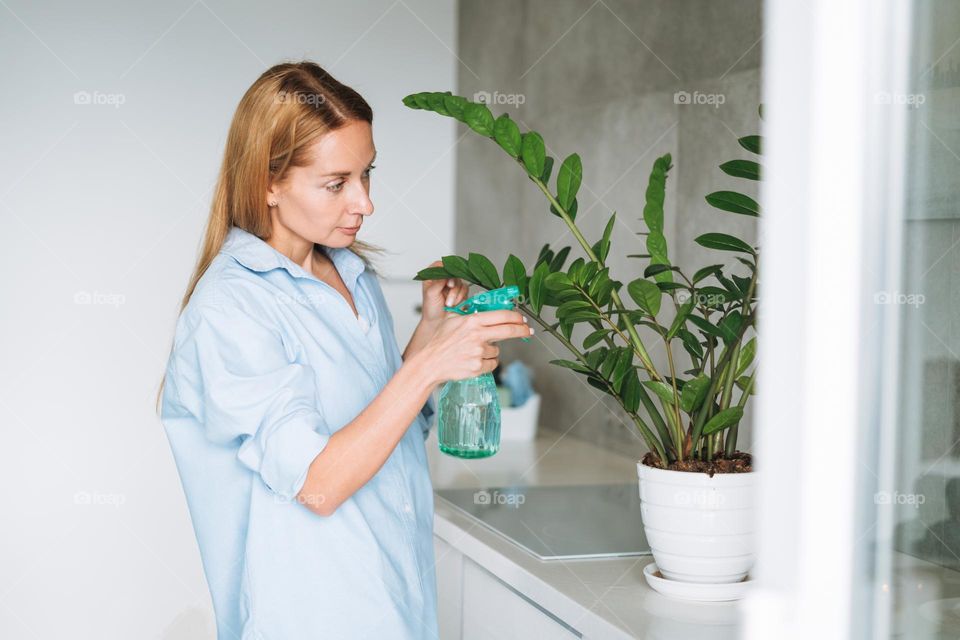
(502, 298)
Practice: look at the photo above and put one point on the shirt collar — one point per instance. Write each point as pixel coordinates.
(254, 253)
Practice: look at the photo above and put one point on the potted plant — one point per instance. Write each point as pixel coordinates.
(696, 487)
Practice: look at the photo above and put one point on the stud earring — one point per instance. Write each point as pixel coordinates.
(273, 204)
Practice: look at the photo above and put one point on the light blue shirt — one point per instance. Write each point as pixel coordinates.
(268, 362)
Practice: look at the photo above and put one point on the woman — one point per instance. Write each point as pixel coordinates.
(297, 426)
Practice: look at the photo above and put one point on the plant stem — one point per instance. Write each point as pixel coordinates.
(648, 436)
(635, 340)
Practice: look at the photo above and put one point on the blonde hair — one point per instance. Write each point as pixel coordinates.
(289, 107)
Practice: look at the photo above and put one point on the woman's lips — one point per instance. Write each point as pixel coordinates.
(350, 230)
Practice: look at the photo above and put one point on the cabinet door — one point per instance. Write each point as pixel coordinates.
(494, 611)
(449, 564)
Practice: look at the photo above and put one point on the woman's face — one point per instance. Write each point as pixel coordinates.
(326, 201)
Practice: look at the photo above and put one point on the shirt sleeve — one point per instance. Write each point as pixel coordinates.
(237, 379)
(428, 411)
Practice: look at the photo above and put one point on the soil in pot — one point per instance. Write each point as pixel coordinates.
(739, 462)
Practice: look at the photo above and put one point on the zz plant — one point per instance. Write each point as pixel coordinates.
(689, 419)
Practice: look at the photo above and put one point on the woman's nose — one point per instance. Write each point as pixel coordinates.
(363, 204)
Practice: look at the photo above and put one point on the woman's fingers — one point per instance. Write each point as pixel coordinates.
(507, 331)
(500, 316)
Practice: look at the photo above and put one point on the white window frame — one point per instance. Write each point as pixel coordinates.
(830, 239)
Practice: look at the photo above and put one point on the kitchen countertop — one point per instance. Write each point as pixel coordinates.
(601, 598)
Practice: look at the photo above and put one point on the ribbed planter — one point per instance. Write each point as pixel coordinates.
(700, 529)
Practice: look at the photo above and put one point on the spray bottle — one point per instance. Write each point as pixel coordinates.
(468, 418)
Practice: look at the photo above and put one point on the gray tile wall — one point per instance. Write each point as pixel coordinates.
(599, 79)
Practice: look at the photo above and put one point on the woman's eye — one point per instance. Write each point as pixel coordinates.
(366, 173)
(335, 187)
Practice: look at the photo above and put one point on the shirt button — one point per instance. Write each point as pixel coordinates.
(407, 508)
(363, 323)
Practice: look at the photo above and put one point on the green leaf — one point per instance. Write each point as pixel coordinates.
(681, 318)
(547, 169)
(557, 281)
(483, 270)
(730, 327)
(747, 352)
(568, 180)
(705, 326)
(478, 117)
(624, 364)
(646, 294)
(536, 286)
(691, 344)
(734, 202)
(569, 364)
(662, 389)
(706, 272)
(631, 391)
(572, 211)
(432, 273)
(435, 100)
(750, 143)
(722, 420)
(602, 248)
(656, 193)
(457, 267)
(654, 269)
(742, 169)
(723, 242)
(742, 383)
(571, 306)
(595, 338)
(455, 105)
(411, 101)
(514, 273)
(694, 393)
(533, 153)
(507, 135)
(557, 263)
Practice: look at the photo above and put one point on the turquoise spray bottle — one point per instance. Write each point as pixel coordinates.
(468, 416)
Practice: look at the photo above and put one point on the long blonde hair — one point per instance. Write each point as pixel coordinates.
(290, 106)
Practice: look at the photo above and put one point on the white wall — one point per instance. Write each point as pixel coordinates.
(111, 201)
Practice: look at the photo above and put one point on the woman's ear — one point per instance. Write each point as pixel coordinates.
(273, 196)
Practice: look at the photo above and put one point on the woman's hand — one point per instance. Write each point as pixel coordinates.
(462, 348)
(440, 293)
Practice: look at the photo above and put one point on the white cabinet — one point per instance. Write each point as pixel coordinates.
(476, 605)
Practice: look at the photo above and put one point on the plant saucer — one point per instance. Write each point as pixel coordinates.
(701, 592)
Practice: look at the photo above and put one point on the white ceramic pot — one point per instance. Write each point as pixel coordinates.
(700, 529)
